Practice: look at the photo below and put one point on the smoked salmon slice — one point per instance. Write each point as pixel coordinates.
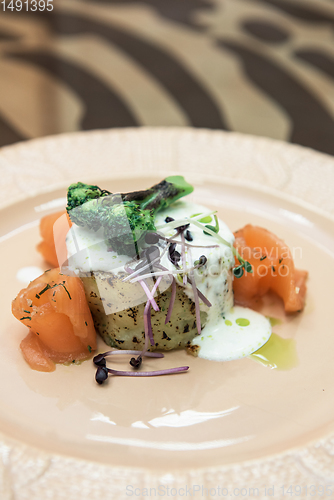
(273, 269)
(53, 230)
(55, 309)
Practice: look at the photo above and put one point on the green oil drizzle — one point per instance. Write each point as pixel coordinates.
(274, 321)
(242, 322)
(277, 353)
(228, 322)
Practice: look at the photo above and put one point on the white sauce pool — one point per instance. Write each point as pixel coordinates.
(237, 334)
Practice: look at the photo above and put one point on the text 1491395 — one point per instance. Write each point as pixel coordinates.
(27, 5)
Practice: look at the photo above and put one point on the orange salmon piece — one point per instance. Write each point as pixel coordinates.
(53, 230)
(33, 352)
(273, 269)
(55, 309)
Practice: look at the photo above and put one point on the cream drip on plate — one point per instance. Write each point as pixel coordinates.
(236, 334)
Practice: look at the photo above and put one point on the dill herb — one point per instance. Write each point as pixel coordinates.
(47, 287)
(68, 293)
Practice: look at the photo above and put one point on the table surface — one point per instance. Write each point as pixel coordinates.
(263, 67)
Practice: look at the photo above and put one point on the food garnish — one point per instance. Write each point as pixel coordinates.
(54, 308)
(163, 259)
(53, 229)
(125, 218)
(102, 372)
(273, 266)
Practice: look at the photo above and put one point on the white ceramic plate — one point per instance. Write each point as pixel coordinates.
(222, 425)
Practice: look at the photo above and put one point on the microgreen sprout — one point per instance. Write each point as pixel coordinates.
(238, 271)
(214, 228)
(196, 299)
(162, 273)
(188, 235)
(156, 373)
(173, 224)
(173, 255)
(152, 238)
(204, 219)
(201, 261)
(183, 256)
(208, 229)
(173, 294)
(101, 374)
(102, 371)
(181, 229)
(136, 362)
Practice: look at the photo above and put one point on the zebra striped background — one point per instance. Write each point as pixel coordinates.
(264, 67)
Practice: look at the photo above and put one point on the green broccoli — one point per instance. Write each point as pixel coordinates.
(125, 218)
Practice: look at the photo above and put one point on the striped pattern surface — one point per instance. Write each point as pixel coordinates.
(263, 67)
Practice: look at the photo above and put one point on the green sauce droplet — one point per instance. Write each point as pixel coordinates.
(242, 322)
(228, 322)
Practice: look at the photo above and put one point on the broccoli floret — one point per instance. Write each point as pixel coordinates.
(125, 227)
(125, 218)
(80, 193)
